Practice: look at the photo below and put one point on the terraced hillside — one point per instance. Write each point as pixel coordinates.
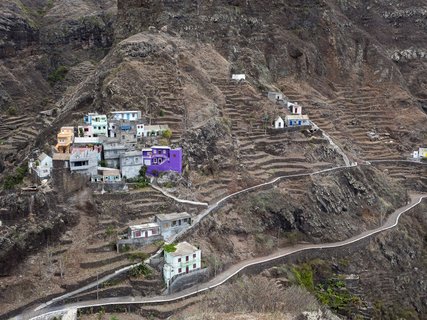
(369, 122)
(261, 154)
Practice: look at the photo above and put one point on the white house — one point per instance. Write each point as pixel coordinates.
(126, 115)
(238, 77)
(296, 120)
(279, 123)
(186, 258)
(85, 131)
(146, 230)
(42, 167)
(140, 130)
(294, 108)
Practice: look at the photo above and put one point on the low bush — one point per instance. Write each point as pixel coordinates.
(11, 181)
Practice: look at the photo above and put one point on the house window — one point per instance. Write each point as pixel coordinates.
(187, 258)
(137, 234)
(155, 161)
(194, 256)
(179, 270)
(160, 161)
(179, 259)
(194, 266)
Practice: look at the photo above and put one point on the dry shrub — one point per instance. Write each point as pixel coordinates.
(259, 294)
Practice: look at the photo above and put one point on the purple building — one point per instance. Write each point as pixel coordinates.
(162, 159)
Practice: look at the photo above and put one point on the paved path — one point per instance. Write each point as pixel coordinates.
(200, 217)
(390, 223)
(196, 203)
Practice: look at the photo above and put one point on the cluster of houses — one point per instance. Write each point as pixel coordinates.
(106, 149)
(185, 259)
(291, 113)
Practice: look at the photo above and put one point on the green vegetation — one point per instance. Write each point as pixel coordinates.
(317, 278)
(114, 318)
(111, 231)
(161, 113)
(167, 134)
(57, 75)
(169, 248)
(102, 163)
(134, 256)
(141, 181)
(11, 111)
(140, 270)
(11, 181)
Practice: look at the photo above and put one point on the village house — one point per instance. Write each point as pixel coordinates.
(65, 138)
(279, 123)
(126, 115)
(154, 130)
(85, 131)
(98, 122)
(91, 144)
(296, 120)
(275, 96)
(41, 168)
(130, 164)
(162, 159)
(294, 108)
(186, 258)
(107, 175)
(140, 235)
(84, 162)
(146, 230)
(172, 223)
(113, 148)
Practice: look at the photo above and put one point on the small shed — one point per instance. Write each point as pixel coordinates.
(279, 123)
(238, 77)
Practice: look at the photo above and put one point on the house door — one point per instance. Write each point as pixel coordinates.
(299, 122)
(146, 234)
(187, 269)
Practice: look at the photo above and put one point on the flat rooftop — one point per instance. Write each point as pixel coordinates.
(183, 249)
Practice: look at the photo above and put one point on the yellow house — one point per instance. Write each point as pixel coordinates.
(65, 139)
(422, 152)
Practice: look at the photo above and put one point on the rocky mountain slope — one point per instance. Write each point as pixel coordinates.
(358, 69)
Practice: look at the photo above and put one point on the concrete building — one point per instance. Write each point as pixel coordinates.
(186, 258)
(162, 159)
(296, 120)
(88, 143)
(420, 154)
(143, 231)
(279, 123)
(41, 168)
(130, 164)
(154, 130)
(107, 175)
(294, 108)
(238, 77)
(126, 115)
(85, 131)
(113, 148)
(172, 223)
(84, 162)
(98, 122)
(65, 138)
(275, 96)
